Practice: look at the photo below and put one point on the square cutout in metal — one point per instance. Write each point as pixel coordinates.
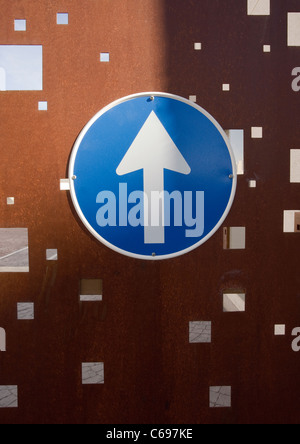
(259, 7)
(8, 396)
(2, 340)
(52, 254)
(62, 18)
(234, 238)
(236, 139)
(21, 68)
(220, 397)
(14, 257)
(200, 332)
(234, 302)
(20, 25)
(91, 290)
(25, 311)
(291, 221)
(104, 57)
(294, 29)
(92, 373)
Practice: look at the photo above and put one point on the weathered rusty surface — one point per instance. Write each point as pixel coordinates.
(140, 330)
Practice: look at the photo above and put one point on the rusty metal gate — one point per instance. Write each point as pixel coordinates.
(90, 336)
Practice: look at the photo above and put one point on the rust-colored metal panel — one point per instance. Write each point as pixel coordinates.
(140, 330)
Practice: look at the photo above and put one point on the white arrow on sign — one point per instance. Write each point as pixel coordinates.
(153, 151)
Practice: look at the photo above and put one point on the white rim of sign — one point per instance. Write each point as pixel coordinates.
(73, 178)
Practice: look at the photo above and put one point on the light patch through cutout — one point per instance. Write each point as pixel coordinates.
(220, 397)
(62, 18)
(200, 332)
(234, 302)
(234, 238)
(14, 257)
(259, 7)
(10, 201)
(291, 221)
(2, 340)
(20, 25)
(91, 290)
(279, 330)
(2, 79)
(8, 396)
(51, 254)
(92, 373)
(43, 106)
(295, 166)
(65, 185)
(257, 132)
(236, 139)
(293, 29)
(25, 311)
(104, 57)
(21, 67)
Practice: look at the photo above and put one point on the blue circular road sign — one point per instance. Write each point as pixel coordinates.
(152, 176)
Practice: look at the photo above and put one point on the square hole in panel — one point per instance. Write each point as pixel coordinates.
(234, 302)
(25, 311)
(259, 7)
(198, 46)
(193, 99)
(236, 139)
(62, 18)
(226, 87)
(65, 184)
(295, 166)
(267, 48)
(200, 332)
(21, 67)
(291, 221)
(220, 397)
(279, 330)
(51, 255)
(257, 132)
(294, 29)
(92, 373)
(2, 79)
(14, 257)
(252, 183)
(43, 106)
(2, 340)
(10, 200)
(234, 238)
(104, 57)
(20, 25)
(8, 396)
(91, 290)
